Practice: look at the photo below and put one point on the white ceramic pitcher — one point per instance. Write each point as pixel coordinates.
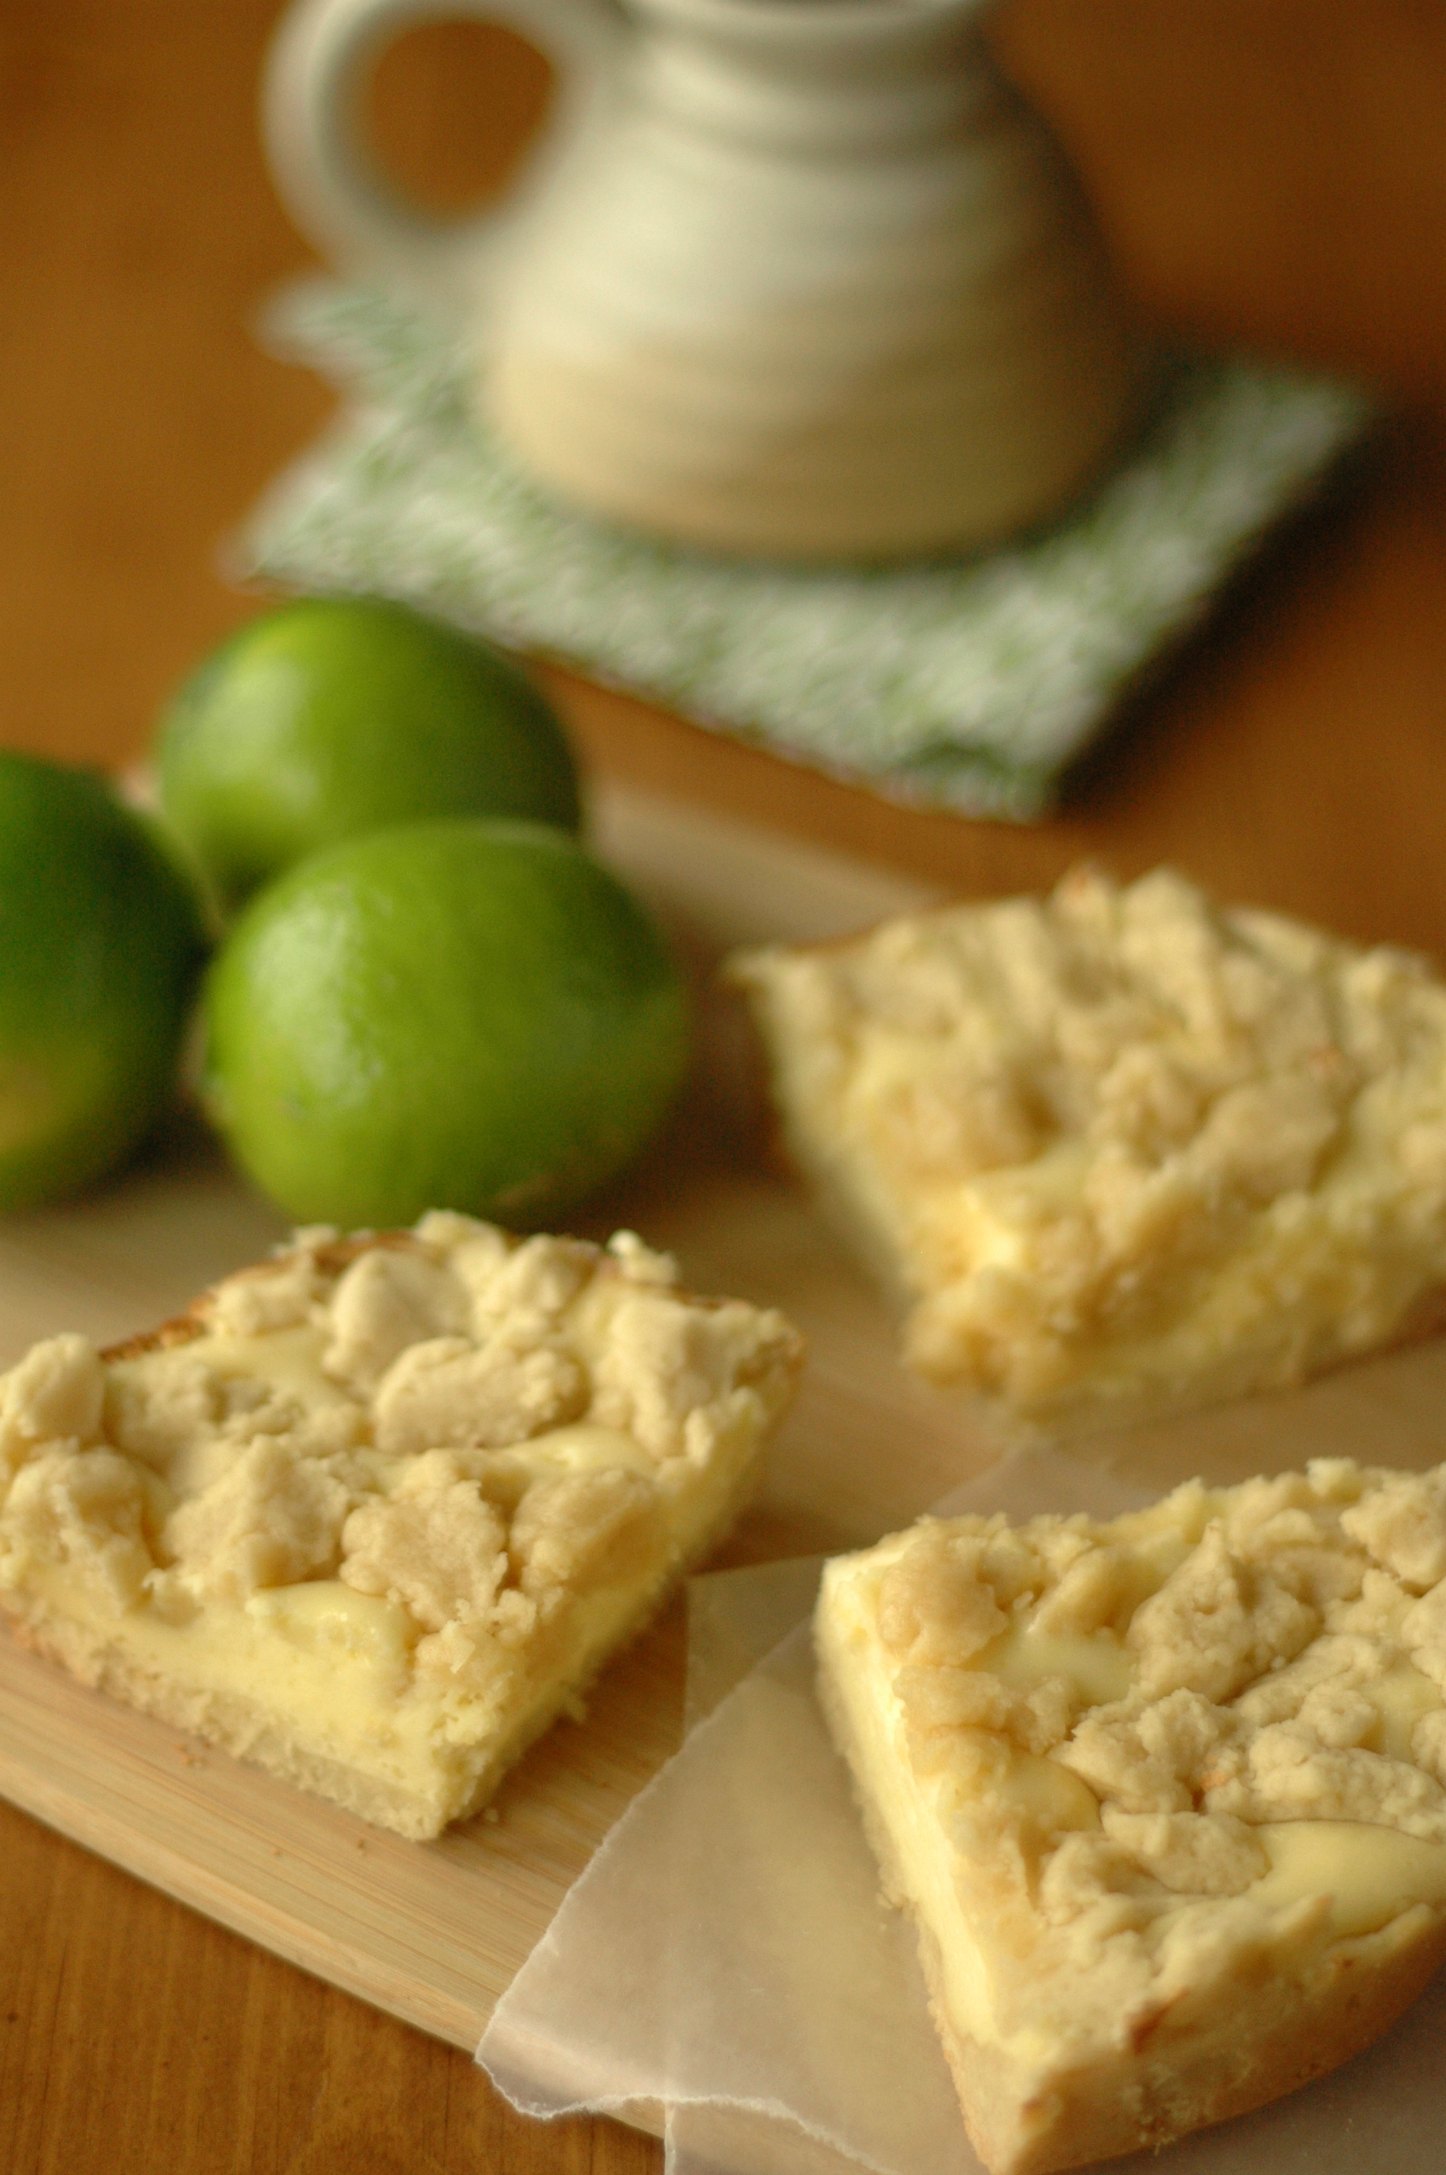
(799, 278)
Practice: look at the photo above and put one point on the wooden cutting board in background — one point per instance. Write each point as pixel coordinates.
(434, 1932)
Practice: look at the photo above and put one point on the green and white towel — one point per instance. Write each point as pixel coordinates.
(969, 683)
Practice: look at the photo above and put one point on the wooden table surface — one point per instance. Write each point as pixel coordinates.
(1271, 172)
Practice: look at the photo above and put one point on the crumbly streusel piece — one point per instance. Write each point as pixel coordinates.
(372, 1512)
(1120, 1146)
(1165, 1795)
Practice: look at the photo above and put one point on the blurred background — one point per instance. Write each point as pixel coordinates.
(1271, 173)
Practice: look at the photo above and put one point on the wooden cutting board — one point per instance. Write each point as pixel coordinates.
(434, 1932)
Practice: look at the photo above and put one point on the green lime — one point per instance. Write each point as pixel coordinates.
(331, 716)
(100, 949)
(456, 1014)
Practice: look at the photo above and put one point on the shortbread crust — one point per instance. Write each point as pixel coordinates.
(374, 1511)
(1119, 1148)
(1164, 1795)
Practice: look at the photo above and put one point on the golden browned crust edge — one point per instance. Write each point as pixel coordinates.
(1195, 2065)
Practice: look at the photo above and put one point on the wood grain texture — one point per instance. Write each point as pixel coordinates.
(1270, 170)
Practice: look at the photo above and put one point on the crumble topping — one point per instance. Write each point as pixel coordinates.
(468, 1427)
(440, 1551)
(268, 1518)
(91, 1507)
(54, 1395)
(1064, 1119)
(449, 1392)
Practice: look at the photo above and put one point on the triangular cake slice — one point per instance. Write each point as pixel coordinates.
(373, 1512)
(1164, 1795)
(1120, 1149)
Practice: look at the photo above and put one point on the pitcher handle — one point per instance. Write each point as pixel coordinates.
(329, 180)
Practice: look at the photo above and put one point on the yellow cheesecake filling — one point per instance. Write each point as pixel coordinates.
(1368, 1875)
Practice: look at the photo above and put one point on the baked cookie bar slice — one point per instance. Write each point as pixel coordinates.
(373, 1512)
(1163, 1794)
(1120, 1148)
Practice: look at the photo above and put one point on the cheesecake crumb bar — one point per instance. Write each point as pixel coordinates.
(1165, 1795)
(1120, 1149)
(372, 1512)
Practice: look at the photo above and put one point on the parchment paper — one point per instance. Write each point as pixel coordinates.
(726, 1966)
